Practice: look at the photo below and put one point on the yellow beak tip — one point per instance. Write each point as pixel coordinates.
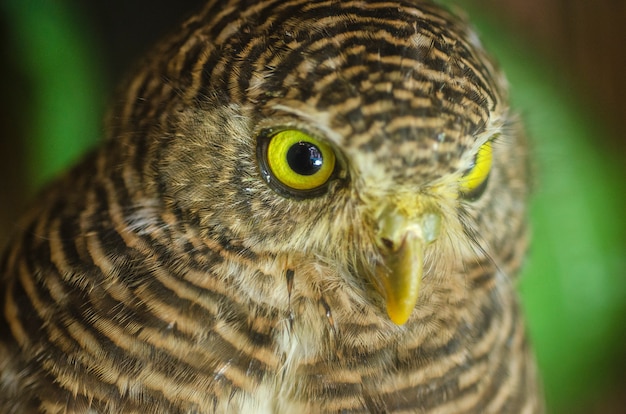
(398, 316)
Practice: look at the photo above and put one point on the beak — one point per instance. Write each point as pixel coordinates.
(401, 240)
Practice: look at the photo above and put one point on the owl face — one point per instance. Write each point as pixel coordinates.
(373, 142)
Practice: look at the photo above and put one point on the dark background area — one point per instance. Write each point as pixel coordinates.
(585, 44)
(580, 44)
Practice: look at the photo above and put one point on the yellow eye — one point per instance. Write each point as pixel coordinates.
(473, 182)
(298, 161)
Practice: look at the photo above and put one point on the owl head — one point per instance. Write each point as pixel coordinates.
(371, 137)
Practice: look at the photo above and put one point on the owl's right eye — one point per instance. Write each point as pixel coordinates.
(296, 162)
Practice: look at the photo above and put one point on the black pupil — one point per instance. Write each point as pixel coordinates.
(304, 158)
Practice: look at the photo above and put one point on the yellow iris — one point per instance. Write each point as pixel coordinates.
(300, 161)
(474, 179)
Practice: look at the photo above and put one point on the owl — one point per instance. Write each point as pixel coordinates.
(300, 207)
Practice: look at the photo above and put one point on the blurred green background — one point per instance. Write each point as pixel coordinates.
(566, 64)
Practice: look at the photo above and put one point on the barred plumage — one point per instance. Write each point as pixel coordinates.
(169, 272)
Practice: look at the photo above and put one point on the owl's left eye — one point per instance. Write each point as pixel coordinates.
(474, 181)
(297, 162)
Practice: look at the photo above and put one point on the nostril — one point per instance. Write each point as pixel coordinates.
(387, 243)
